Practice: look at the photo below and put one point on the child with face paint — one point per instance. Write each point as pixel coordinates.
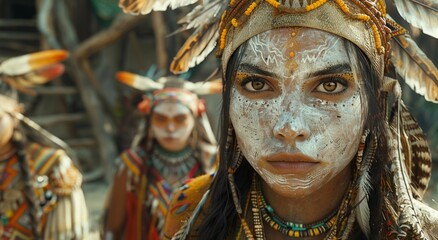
(309, 148)
(40, 188)
(174, 145)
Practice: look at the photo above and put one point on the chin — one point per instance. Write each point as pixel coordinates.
(293, 187)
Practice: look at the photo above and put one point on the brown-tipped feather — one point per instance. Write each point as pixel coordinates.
(196, 48)
(421, 162)
(418, 159)
(421, 14)
(146, 6)
(415, 67)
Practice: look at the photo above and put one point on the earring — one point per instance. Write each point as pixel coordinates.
(359, 158)
(236, 160)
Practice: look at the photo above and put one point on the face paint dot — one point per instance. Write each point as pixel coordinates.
(291, 54)
(293, 34)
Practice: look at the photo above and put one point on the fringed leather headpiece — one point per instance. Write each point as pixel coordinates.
(363, 22)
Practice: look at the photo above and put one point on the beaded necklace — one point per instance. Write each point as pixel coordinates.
(334, 225)
(177, 164)
(289, 228)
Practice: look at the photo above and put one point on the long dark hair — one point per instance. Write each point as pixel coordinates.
(220, 221)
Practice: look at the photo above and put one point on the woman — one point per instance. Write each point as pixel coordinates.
(174, 144)
(41, 195)
(310, 152)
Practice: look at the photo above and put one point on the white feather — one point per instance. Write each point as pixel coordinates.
(415, 67)
(422, 14)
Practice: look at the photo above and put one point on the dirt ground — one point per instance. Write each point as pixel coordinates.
(95, 194)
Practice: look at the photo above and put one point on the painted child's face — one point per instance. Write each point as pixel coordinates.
(172, 124)
(296, 107)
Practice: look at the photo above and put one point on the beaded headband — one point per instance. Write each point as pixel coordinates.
(363, 22)
(170, 89)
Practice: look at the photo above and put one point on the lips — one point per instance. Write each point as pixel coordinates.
(287, 163)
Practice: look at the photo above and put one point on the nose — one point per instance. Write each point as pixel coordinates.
(171, 127)
(291, 130)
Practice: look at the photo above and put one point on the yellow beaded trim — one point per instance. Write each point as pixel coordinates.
(234, 22)
(374, 21)
(273, 3)
(233, 2)
(250, 9)
(315, 5)
(223, 38)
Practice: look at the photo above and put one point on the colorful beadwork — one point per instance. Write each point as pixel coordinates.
(289, 228)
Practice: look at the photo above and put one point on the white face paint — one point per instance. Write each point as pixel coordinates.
(296, 108)
(172, 124)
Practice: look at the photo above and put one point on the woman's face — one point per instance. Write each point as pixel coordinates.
(296, 108)
(172, 124)
(7, 123)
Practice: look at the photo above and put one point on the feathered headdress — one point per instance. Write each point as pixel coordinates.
(170, 89)
(228, 24)
(27, 71)
(176, 90)
(33, 69)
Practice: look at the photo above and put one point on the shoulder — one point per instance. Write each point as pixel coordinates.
(184, 203)
(428, 217)
(43, 158)
(131, 159)
(63, 176)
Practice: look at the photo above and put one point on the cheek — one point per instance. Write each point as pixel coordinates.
(335, 133)
(253, 122)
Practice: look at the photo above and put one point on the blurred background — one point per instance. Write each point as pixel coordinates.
(94, 113)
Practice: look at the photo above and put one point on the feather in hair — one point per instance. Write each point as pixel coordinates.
(138, 82)
(28, 70)
(205, 88)
(202, 14)
(413, 65)
(197, 47)
(364, 182)
(422, 14)
(407, 221)
(146, 6)
(420, 162)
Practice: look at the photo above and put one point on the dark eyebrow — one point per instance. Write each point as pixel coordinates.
(254, 69)
(340, 68)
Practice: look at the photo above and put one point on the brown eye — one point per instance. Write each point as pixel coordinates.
(329, 86)
(332, 86)
(255, 85)
(180, 118)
